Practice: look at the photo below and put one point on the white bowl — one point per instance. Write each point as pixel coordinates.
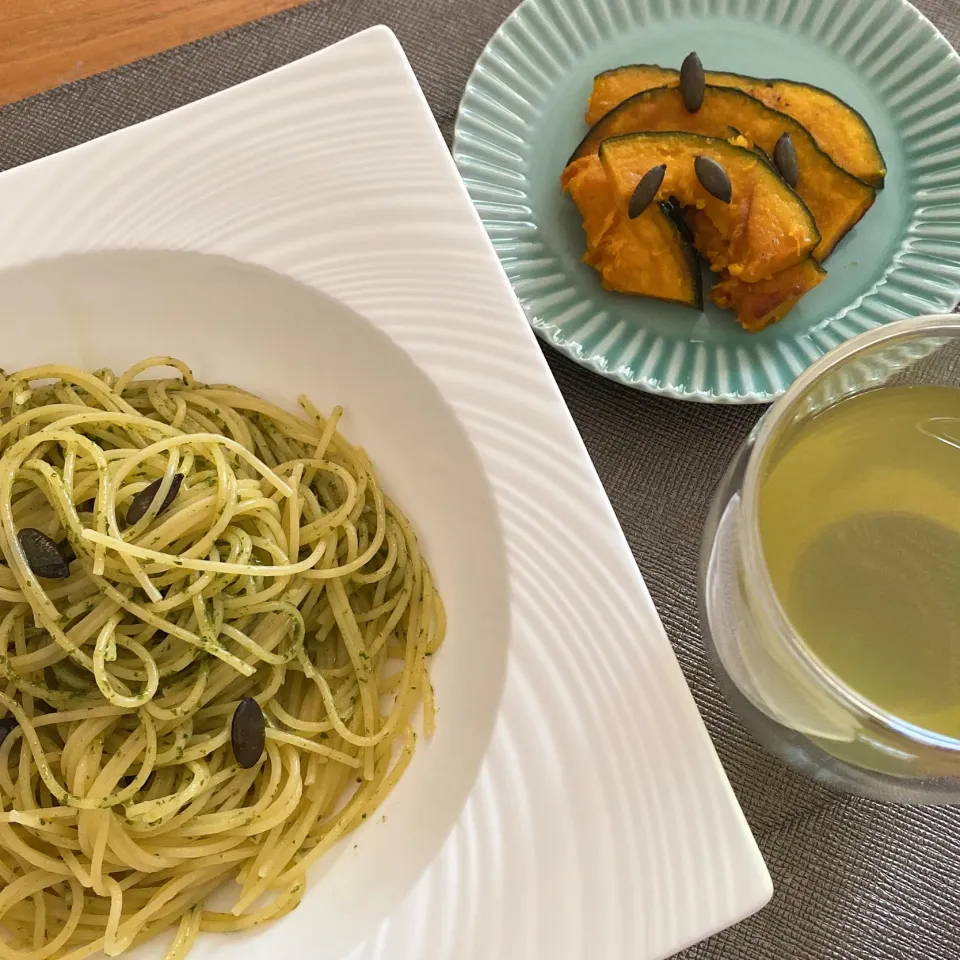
(239, 324)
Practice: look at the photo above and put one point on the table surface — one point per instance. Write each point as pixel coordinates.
(854, 880)
(45, 43)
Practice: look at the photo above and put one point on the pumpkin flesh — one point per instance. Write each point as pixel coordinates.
(836, 199)
(757, 305)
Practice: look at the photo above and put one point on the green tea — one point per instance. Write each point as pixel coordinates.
(860, 526)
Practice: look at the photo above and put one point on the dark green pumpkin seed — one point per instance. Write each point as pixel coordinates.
(248, 733)
(646, 190)
(693, 85)
(43, 555)
(6, 725)
(785, 158)
(142, 501)
(713, 178)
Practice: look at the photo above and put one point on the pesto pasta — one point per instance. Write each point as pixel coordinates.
(214, 636)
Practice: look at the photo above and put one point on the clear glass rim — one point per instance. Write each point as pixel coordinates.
(947, 325)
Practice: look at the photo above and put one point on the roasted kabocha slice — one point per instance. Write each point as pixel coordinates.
(648, 254)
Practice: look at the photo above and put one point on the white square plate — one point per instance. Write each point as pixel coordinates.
(601, 823)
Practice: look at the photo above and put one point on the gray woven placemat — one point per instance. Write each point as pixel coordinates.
(854, 880)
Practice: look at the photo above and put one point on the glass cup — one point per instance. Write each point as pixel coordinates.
(784, 694)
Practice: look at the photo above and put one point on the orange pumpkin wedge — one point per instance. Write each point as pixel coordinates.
(647, 255)
(757, 305)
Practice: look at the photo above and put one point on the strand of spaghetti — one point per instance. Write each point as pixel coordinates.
(353, 644)
(15, 844)
(191, 821)
(111, 945)
(281, 736)
(71, 716)
(150, 810)
(189, 702)
(127, 377)
(88, 381)
(76, 636)
(99, 848)
(429, 705)
(280, 907)
(32, 818)
(107, 638)
(149, 515)
(187, 931)
(241, 400)
(234, 422)
(235, 569)
(131, 462)
(329, 430)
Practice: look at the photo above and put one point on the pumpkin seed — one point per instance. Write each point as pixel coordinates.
(7, 724)
(43, 555)
(713, 178)
(646, 190)
(142, 501)
(785, 158)
(693, 84)
(248, 733)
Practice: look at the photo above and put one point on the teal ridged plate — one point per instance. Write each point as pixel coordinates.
(522, 115)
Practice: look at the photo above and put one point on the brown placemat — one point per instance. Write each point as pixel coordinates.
(854, 880)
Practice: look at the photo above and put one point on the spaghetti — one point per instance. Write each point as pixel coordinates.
(214, 550)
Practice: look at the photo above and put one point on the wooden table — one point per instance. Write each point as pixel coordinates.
(44, 43)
